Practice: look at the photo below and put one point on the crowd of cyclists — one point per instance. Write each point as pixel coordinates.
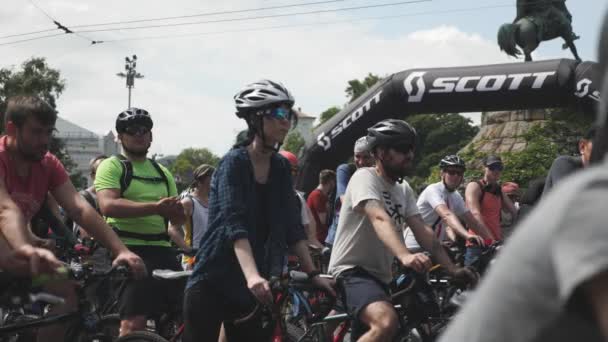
(239, 226)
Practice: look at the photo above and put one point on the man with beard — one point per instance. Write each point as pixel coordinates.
(442, 207)
(138, 197)
(27, 173)
(369, 235)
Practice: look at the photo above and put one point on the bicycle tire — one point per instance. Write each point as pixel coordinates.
(141, 336)
(107, 330)
(26, 335)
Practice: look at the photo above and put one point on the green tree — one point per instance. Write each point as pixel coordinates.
(356, 87)
(557, 136)
(328, 114)
(294, 142)
(438, 136)
(36, 77)
(188, 160)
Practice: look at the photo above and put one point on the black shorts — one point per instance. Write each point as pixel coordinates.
(358, 289)
(149, 296)
(207, 304)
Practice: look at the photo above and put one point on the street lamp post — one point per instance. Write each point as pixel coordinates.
(130, 74)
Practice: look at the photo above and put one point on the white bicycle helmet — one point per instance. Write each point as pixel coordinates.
(261, 94)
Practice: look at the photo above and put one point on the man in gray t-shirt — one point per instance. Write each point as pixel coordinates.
(369, 235)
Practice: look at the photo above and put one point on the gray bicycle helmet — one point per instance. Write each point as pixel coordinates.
(391, 133)
(452, 160)
(133, 116)
(261, 94)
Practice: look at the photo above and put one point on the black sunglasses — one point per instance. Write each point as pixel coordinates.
(136, 130)
(403, 148)
(496, 167)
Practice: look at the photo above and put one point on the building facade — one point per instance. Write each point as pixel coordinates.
(83, 145)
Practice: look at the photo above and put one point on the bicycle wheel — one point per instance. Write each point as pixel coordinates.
(141, 336)
(107, 330)
(28, 335)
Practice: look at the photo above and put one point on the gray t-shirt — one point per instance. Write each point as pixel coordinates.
(433, 196)
(561, 167)
(529, 291)
(356, 242)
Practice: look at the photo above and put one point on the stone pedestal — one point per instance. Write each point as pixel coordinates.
(502, 131)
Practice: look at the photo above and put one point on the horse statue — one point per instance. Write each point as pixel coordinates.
(537, 21)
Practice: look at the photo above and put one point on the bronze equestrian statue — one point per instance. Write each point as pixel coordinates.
(537, 21)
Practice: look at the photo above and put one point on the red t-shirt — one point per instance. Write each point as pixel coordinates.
(490, 208)
(29, 193)
(318, 203)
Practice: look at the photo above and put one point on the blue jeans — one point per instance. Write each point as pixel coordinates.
(471, 255)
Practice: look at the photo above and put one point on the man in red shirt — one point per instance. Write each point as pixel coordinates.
(318, 202)
(27, 173)
(485, 199)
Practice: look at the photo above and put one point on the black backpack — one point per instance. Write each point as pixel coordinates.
(127, 174)
(125, 180)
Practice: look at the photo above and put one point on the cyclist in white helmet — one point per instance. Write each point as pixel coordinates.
(253, 219)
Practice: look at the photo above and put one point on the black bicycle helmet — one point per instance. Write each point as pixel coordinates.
(452, 160)
(261, 94)
(391, 133)
(133, 116)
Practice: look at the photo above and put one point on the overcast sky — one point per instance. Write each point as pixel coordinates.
(190, 80)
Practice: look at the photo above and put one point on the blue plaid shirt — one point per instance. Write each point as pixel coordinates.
(232, 216)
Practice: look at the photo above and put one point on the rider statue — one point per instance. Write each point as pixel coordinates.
(536, 21)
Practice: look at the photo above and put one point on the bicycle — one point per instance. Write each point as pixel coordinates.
(86, 324)
(414, 301)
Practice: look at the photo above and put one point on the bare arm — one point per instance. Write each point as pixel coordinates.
(424, 235)
(12, 222)
(449, 232)
(111, 204)
(83, 214)
(596, 291)
(506, 202)
(472, 195)
(311, 229)
(244, 254)
(175, 231)
(449, 218)
(385, 228)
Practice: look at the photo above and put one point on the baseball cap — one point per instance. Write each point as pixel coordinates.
(492, 159)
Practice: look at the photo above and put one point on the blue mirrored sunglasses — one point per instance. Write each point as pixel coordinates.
(280, 113)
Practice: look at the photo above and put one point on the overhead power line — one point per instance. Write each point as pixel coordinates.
(270, 28)
(27, 33)
(257, 17)
(170, 18)
(205, 14)
(250, 18)
(59, 26)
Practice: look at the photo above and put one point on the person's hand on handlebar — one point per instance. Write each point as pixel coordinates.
(476, 240)
(260, 288)
(419, 262)
(27, 260)
(136, 265)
